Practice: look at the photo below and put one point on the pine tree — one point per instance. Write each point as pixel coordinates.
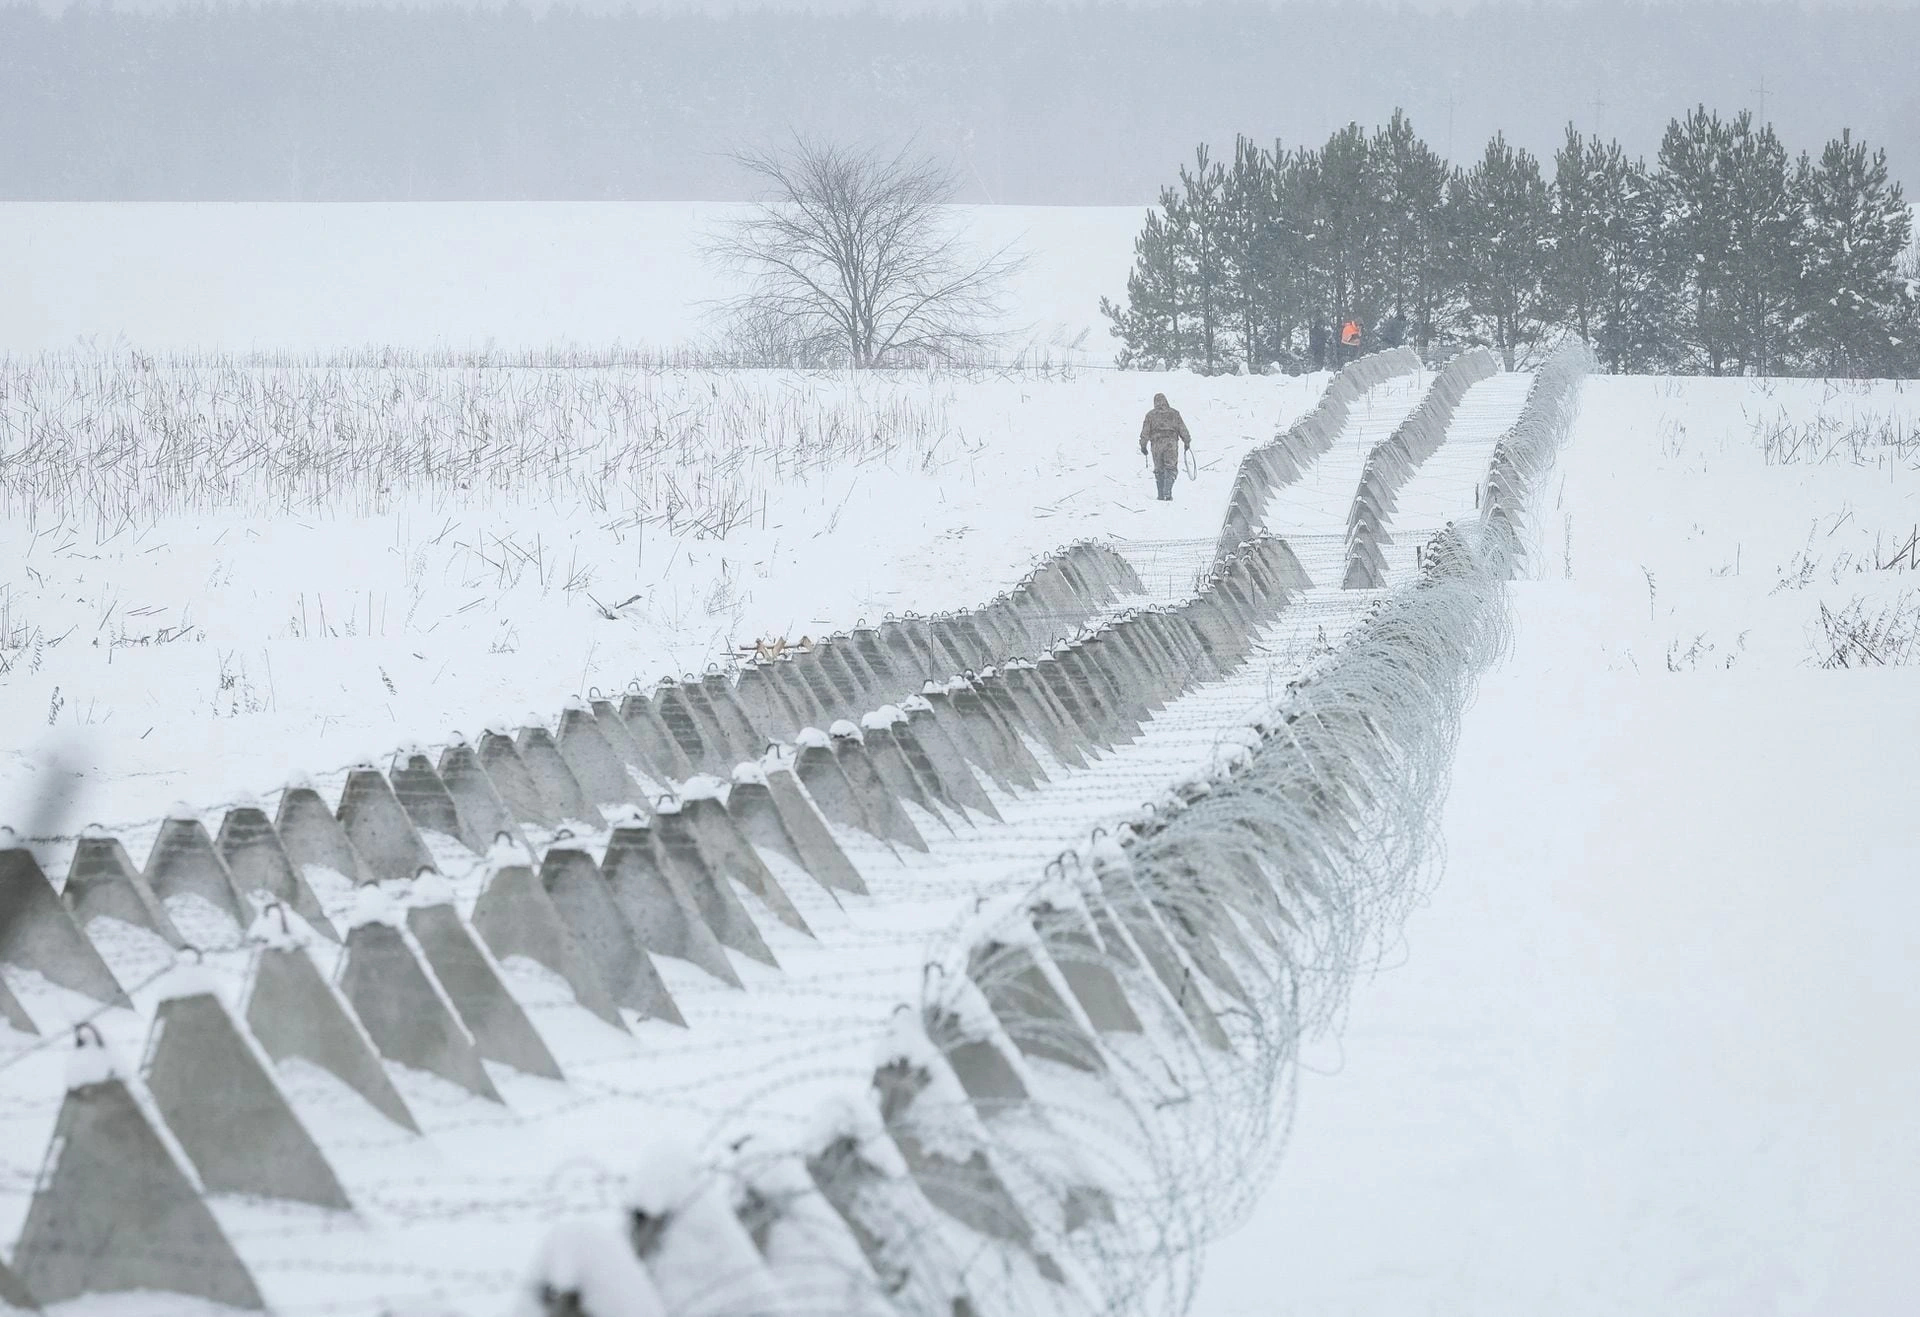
(1149, 326)
(1699, 231)
(1605, 280)
(1501, 247)
(1765, 258)
(1412, 189)
(1857, 306)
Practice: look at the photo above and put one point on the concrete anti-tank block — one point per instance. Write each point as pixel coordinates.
(15, 1297)
(183, 863)
(257, 862)
(292, 1012)
(382, 834)
(114, 1212)
(586, 904)
(662, 755)
(405, 1012)
(728, 852)
(228, 1115)
(102, 883)
(483, 815)
(515, 917)
(553, 778)
(877, 801)
(313, 836)
(13, 1014)
(1029, 1008)
(820, 854)
(594, 764)
(676, 713)
(682, 856)
(500, 1028)
(896, 774)
(514, 784)
(660, 904)
(1083, 965)
(947, 758)
(826, 782)
(39, 933)
(427, 801)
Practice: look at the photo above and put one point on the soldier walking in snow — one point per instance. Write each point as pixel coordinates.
(1162, 434)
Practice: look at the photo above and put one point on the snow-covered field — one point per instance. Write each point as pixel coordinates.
(1637, 1052)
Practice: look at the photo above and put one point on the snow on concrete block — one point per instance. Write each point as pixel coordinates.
(930, 1121)
(554, 779)
(500, 1028)
(588, 1269)
(39, 933)
(257, 862)
(589, 905)
(1030, 1008)
(405, 1012)
(183, 863)
(102, 883)
(877, 802)
(313, 837)
(515, 917)
(511, 781)
(114, 1211)
(806, 1245)
(379, 827)
(683, 1229)
(592, 760)
(683, 857)
(860, 1174)
(795, 815)
(292, 1012)
(226, 1112)
(728, 852)
(660, 904)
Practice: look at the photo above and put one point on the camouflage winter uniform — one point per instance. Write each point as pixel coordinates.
(1162, 433)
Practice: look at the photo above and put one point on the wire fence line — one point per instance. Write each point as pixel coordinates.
(1069, 1108)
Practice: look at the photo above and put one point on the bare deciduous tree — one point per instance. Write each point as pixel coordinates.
(854, 257)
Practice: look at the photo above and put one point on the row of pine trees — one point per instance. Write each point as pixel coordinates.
(1725, 256)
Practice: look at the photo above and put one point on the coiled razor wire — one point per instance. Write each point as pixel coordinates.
(1098, 1076)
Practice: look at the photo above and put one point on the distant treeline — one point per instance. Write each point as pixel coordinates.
(1057, 103)
(1725, 255)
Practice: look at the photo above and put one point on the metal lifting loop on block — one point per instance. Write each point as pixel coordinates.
(82, 1030)
(278, 908)
(199, 956)
(593, 692)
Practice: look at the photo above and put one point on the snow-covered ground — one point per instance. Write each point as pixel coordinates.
(1641, 1050)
